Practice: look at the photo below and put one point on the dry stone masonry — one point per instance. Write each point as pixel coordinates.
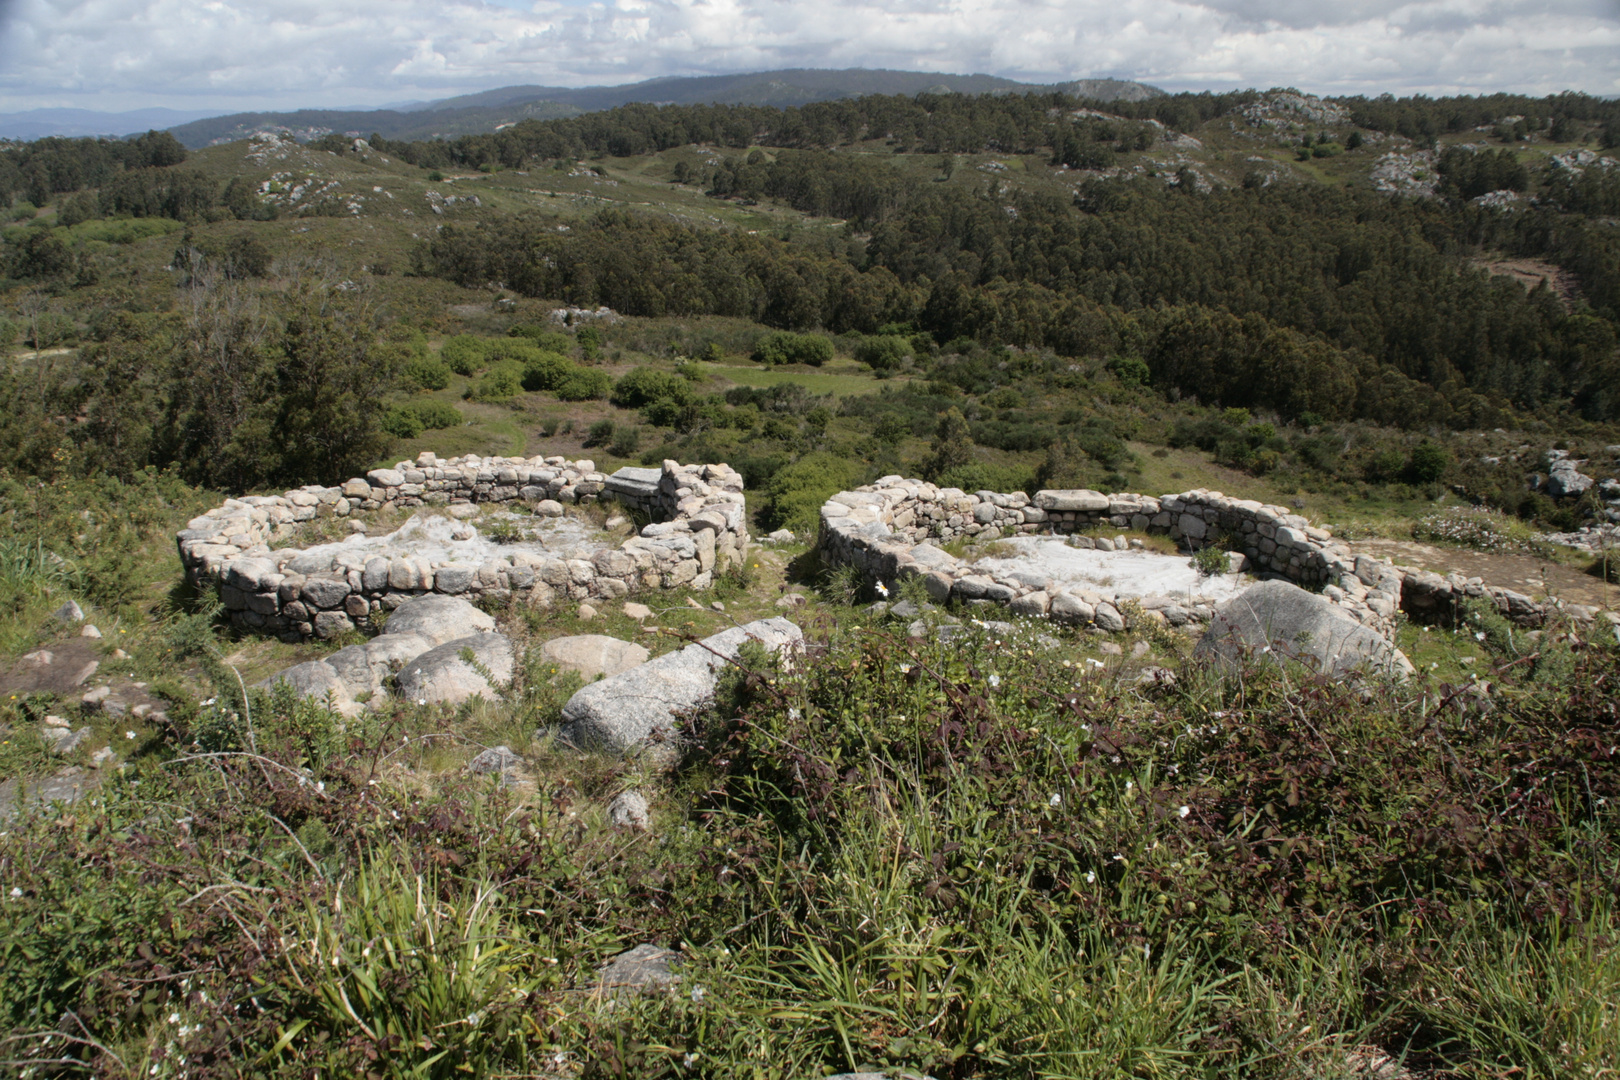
(890, 530)
(698, 528)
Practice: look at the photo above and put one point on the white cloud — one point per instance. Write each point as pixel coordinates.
(238, 54)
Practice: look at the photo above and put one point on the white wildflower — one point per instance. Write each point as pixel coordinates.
(1129, 784)
(1055, 800)
(1091, 877)
(793, 714)
(883, 590)
(1184, 811)
(16, 892)
(1480, 636)
(129, 734)
(697, 994)
(995, 681)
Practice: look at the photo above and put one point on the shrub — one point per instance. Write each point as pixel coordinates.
(626, 442)
(401, 423)
(884, 352)
(600, 434)
(499, 383)
(547, 371)
(465, 354)
(428, 372)
(436, 414)
(984, 476)
(784, 347)
(1477, 527)
(793, 496)
(584, 384)
(643, 386)
(1428, 462)
(1210, 561)
(541, 338)
(1131, 370)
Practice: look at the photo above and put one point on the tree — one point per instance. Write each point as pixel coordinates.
(333, 388)
(953, 444)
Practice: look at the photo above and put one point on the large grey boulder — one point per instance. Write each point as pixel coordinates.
(365, 668)
(440, 675)
(1277, 618)
(621, 712)
(315, 679)
(593, 655)
(439, 618)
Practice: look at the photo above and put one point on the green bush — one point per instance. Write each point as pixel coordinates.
(10, 331)
(541, 338)
(784, 347)
(499, 383)
(402, 423)
(465, 354)
(626, 442)
(600, 433)
(793, 496)
(1428, 462)
(547, 371)
(428, 372)
(411, 419)
(643, 386)
(983, 476)
(883, 352)
(584, 384)
(436, 414)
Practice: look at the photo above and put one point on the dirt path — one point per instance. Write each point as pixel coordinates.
(1528, 574)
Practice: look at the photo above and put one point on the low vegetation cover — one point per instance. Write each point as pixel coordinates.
(970, 858)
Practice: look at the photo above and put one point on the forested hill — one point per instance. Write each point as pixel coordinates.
(493, 109)
(1307, 298)
(1315, 262)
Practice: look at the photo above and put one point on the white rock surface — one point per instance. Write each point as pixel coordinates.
(1110, 573)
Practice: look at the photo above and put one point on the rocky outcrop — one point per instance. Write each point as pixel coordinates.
(626, 710)
(699, 528)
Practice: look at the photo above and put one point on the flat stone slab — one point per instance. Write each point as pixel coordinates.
(593, 655)
(1109, 573)
(621, 712)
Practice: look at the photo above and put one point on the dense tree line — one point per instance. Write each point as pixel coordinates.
(1297, 298)
(235, 390)
(41, 169)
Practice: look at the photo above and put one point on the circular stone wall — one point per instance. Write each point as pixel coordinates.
(244, 548)
(888, 531)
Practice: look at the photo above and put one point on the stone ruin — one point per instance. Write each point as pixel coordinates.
(697, 527)
(890, 530)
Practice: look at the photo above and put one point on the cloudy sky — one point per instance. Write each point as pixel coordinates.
(242, 54)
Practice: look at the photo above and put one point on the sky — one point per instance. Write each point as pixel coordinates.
(235, 55)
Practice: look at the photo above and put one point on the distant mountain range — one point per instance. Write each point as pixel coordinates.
(38, 123)
(492, 109)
